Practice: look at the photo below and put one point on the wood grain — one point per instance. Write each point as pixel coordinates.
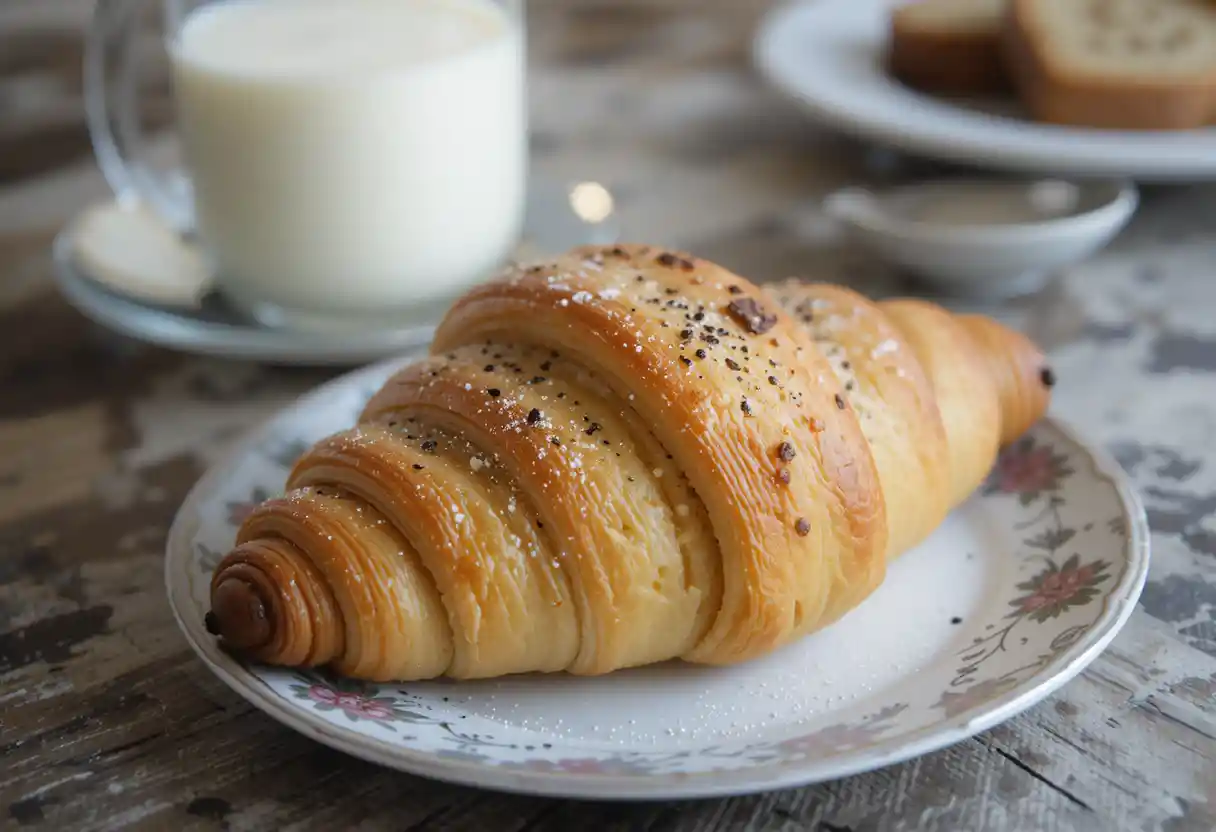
(108, 722)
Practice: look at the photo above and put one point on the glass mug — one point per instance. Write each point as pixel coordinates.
(346, 161)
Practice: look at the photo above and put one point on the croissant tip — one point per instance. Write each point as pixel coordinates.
(239, 615)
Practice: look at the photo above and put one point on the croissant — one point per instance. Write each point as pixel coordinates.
(623, 456)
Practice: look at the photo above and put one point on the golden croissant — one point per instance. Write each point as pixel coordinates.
(623, 456)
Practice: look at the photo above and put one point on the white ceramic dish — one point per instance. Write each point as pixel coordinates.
(827, 56)
(1017, 592)
(986, 238)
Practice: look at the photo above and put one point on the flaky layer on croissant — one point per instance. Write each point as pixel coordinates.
(620, 457)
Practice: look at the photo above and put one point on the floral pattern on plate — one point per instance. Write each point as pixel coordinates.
(1064, 555)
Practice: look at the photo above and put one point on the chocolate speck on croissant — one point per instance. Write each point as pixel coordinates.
(669, 259)
(751, 315)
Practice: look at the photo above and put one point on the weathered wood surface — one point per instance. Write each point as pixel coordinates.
(108, 722)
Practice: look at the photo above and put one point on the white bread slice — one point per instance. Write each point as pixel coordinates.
(1121, 64)
(948, 46)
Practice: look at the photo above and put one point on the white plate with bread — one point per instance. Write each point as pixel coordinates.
(635, 526)
(1068, 87)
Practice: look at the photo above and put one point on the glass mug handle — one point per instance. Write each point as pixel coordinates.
(111, 95)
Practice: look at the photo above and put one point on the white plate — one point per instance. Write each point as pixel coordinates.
(1040, 570)
(828, 56)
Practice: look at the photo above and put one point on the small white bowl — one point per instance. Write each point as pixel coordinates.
(989, 238)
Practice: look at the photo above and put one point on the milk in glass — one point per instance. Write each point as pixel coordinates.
(353, 155)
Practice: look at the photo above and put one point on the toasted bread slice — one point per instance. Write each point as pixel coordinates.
(1120, 64)
(951, 47)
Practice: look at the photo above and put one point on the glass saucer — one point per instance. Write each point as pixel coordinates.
(557, 219)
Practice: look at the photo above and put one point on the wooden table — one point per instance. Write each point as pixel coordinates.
(106, 719)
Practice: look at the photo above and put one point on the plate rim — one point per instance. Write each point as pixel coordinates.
(1010, 155)
(1117, 609)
